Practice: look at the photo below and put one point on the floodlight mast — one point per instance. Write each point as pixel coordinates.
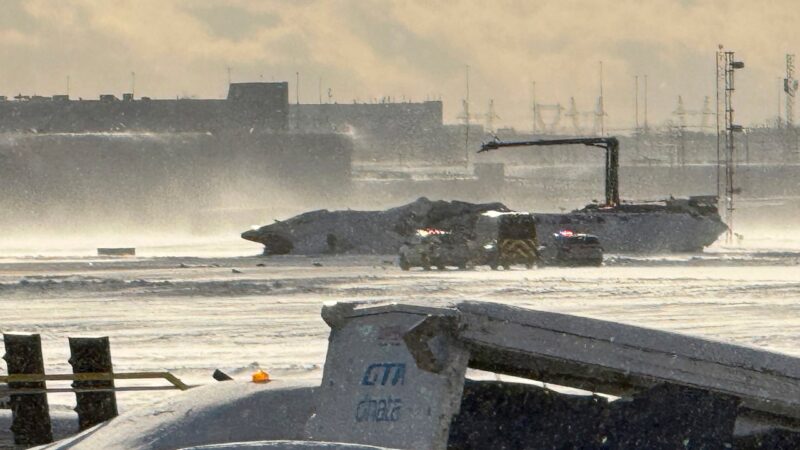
(610, 144)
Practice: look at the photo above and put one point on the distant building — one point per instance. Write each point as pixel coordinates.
(249, 106)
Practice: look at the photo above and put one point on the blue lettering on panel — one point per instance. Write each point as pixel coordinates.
(381, 373)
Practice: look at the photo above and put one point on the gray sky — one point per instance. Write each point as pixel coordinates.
(364, 49)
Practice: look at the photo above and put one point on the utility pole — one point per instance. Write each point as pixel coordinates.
(636, 102)
(133, 84)
(600, 106)
(297, 89)
(645, 105)
(534, 108)
(637, 133)
(466, 121)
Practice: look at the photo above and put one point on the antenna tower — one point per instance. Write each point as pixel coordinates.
(789, 87)
(720, 106)
(726, 66)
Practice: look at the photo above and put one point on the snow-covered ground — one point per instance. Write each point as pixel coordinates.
(190, 315)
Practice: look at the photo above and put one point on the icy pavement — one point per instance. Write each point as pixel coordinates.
(192, 315)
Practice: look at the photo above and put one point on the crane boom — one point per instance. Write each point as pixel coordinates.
(610, 144)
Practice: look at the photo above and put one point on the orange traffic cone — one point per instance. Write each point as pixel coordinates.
(260, 376)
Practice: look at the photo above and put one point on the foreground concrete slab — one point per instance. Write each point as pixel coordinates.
(394, 378)
(408, 359)
(374, 391)
(618, 359)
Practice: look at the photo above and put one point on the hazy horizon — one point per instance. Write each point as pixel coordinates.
(366, 50)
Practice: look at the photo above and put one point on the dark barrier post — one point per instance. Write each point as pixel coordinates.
(221, 376)
(92, 355)
(30, 412)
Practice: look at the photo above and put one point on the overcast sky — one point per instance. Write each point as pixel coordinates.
(364, 49)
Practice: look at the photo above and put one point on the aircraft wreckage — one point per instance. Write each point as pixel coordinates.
(673, 225)
(677, 225)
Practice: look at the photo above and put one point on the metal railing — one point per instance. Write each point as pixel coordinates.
(175, 382)
(92, 382)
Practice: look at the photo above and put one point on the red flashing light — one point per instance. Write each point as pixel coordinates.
(435, 231)
(566, 233)
(431, 232)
